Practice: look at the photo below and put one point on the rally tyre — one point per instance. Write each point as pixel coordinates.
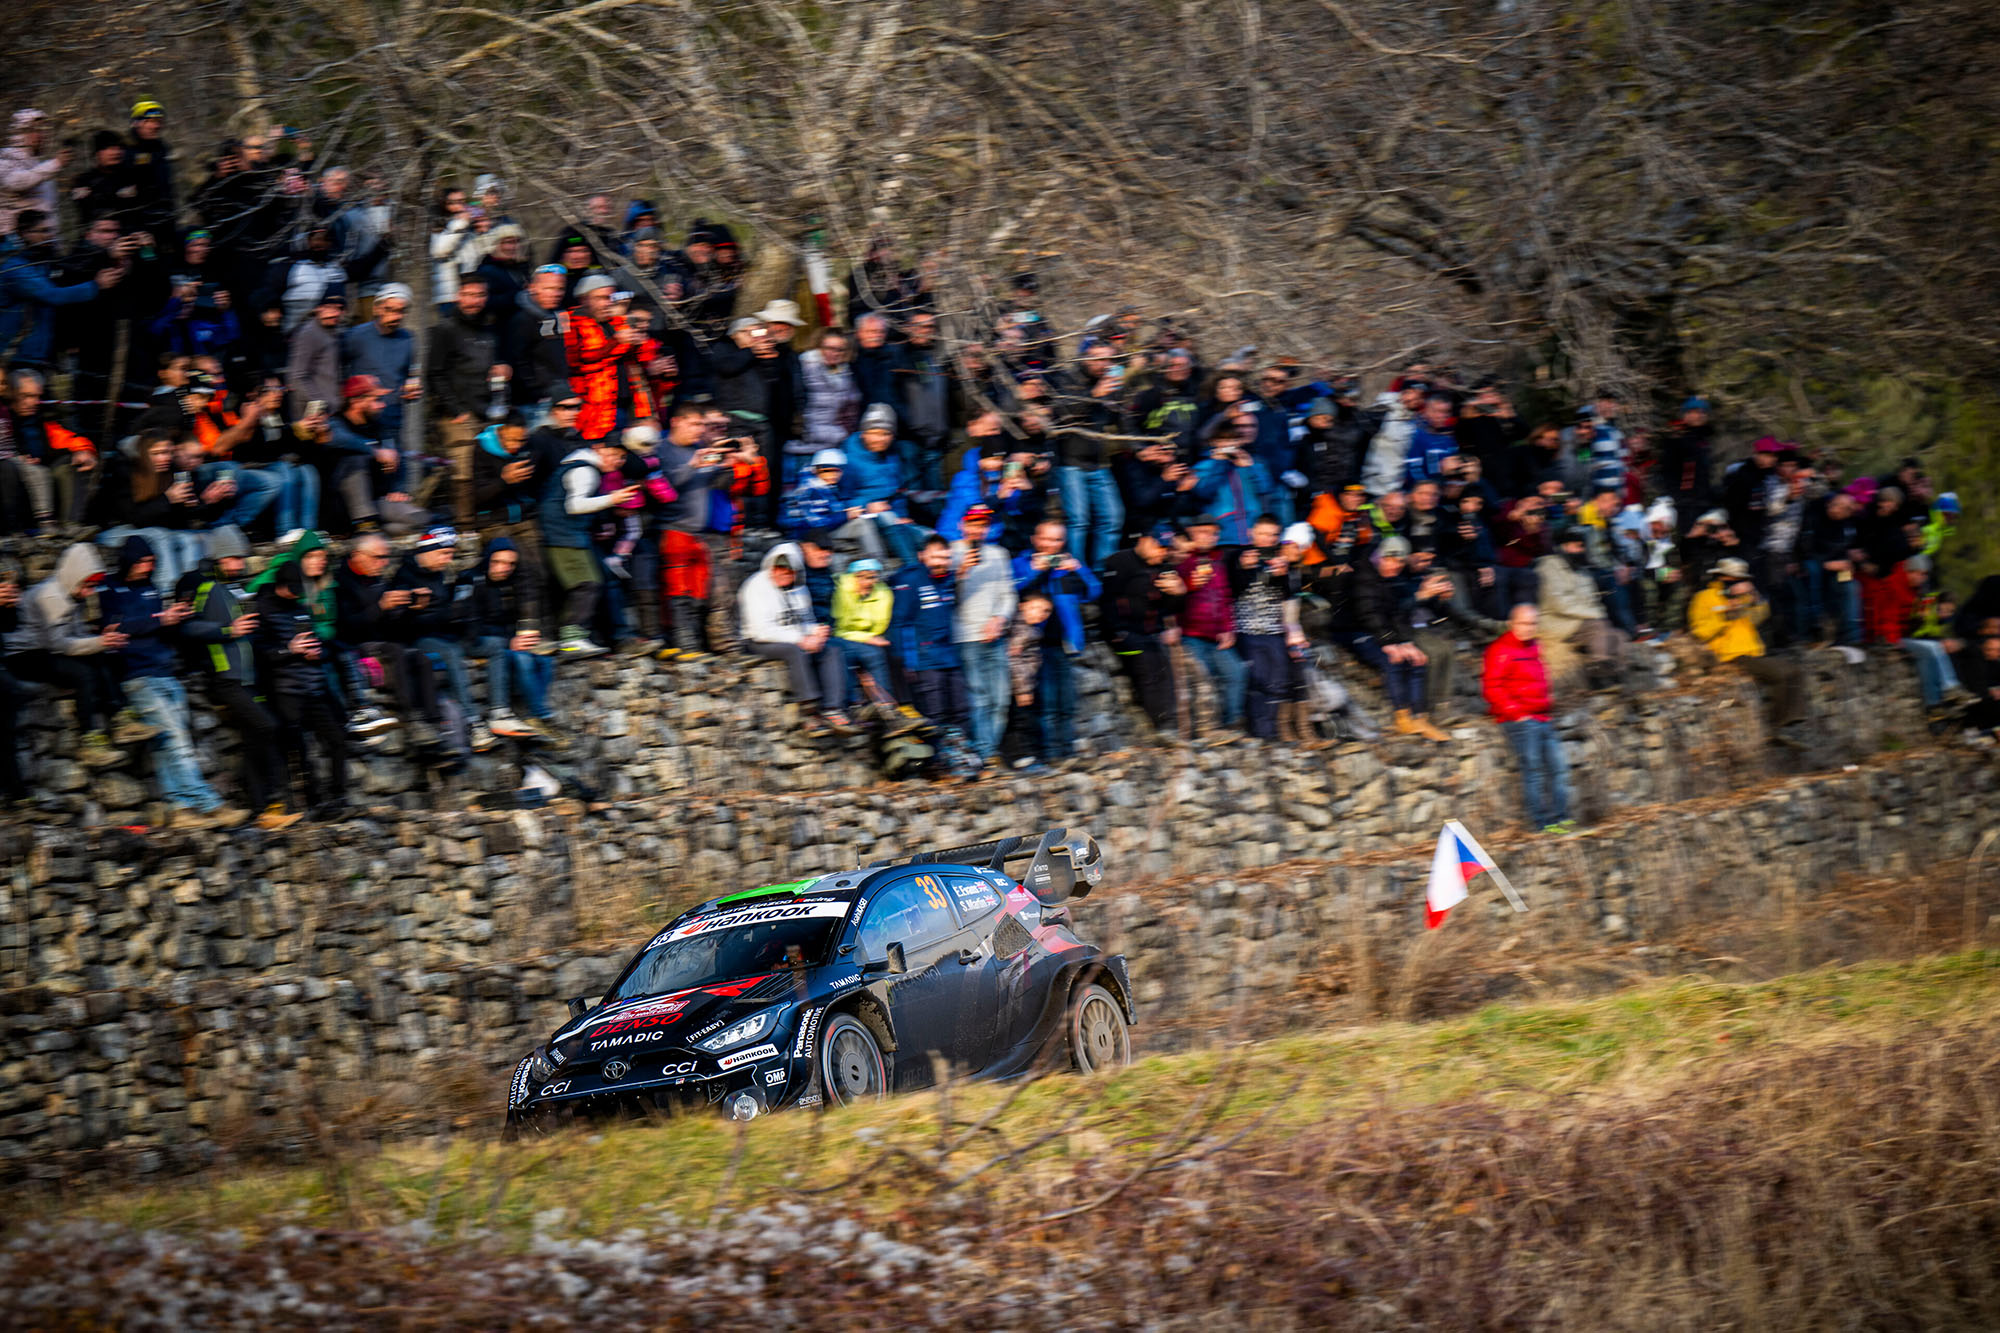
(850, 1062)
(1099, 1040)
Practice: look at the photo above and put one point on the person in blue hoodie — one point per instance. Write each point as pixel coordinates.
(1231, 483)
(148, 660)
(921, 633)
(1434, 439)
(986, 476)
(29, 293)
(1049, 568)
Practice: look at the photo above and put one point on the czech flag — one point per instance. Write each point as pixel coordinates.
(1459, 860)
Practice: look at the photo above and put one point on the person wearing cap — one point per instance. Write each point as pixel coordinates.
(366, 610)
(986, 601)
(462, 368)
(1142, 594)
(433, 619)
(1208, 616)
(754, 384)
(815, 502)
(779, 625)
(149, 165)
(1724, 617)
(367, 468)
(27, 179)
(384, 348)
(505, 267)
(600, 349)
(312, 370)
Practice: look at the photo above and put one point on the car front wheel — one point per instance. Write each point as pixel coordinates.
(1099, 1039)
(850, 1061)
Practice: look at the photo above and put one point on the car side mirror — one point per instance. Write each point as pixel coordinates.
(896, 964)
(579, 1005)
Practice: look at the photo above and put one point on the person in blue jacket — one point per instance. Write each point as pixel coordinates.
(815, 502)
(921, 624)
(29, 293)
(874, 483)
(983, 479)
(1231, 483)
(1051, 569)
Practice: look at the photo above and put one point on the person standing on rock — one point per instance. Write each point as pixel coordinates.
(1516, 685)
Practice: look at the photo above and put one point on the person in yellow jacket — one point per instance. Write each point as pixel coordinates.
(861, 607)
(1725, 616)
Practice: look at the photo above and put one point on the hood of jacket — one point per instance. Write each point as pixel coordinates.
(792, 553)
(134, 549)
(493, 548)
(76, 565)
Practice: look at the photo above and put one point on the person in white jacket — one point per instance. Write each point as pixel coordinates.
(455, 247)
(1383, 470)
(779, 624)
(27, 179)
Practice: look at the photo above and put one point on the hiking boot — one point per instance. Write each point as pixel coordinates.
(424, 736)
(185, 819)
(228, 816)
(483, 738)
(1423, 726)
(668, 654)
(1404, 725)
(504, 723)
(275, 819)
(1852, 656)
(128, 728)
(840, 722)
(96, 751)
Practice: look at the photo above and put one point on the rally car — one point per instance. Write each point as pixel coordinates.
(844, 988)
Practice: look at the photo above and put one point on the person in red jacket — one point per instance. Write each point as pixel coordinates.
(1517, 691)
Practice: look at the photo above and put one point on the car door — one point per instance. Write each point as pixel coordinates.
(927, 1001)
(995, 1017)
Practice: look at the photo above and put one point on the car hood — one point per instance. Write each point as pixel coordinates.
(677, 1019)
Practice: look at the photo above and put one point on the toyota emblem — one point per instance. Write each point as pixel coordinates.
(616, 1069)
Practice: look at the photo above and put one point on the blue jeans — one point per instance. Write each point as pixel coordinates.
(1403, 680)
(1093, 510)
(162, 702)
(507, 671)
(297, 505)
(255, 491)
(450, 654)
(1229, 673)
(175, 550)
(870, 658)
(1056, 693)
(1934, 669)
(1825, 592)
(987, 684)
(1544, 770)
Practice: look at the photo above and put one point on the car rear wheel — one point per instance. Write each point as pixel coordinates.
(850, 1062)
(1099, 1039)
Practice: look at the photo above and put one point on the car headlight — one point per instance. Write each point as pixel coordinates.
(539, 1067)
(749, 1029)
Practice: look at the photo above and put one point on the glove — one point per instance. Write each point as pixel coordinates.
(1294, 478)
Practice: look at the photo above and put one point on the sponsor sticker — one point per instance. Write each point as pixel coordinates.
(860, 906)
(705, 1030)
(975, 897)
(554, 1089)
(657, 1012)
(756, 916)
(854, 980)
(775, 1077)
(749, 1057)
(625, 1039)
(810, 1099)
(519, 1092)
(808, 1029)
(674, 1068)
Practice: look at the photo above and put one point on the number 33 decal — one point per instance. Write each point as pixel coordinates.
(933, 891)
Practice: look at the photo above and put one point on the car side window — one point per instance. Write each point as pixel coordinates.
(912, 914)
(975, 897)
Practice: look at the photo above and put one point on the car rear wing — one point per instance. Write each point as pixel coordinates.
(1065, 863)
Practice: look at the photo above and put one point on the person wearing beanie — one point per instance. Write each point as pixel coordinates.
(601, 354)
(293, 656)
(102, 189)
(433, 619)
(224, 624)
(505, 267)
(1572, 609)
(874, 483)
(149, 169)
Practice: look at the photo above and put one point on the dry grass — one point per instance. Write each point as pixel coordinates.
(1821, 1151)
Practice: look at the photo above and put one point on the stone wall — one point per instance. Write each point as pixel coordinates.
(167, 997)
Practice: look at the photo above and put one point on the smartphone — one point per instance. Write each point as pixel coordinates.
(1013, 471)
(1116, 374)
(316, 408)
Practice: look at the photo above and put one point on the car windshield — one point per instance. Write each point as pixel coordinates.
(731, 943)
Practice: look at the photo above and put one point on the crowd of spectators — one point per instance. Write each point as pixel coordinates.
(926, 515)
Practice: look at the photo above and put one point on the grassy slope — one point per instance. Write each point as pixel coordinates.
(1640, 1044)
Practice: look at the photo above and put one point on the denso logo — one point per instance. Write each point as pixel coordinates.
(651, 1013)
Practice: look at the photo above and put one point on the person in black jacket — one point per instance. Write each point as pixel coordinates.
(460, 368)
(365, 608)
(435, 618)
(512, 662)
(1141, 595)
(532, 343)
(292, 656)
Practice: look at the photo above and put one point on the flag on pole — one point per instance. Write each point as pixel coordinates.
(1459, 860)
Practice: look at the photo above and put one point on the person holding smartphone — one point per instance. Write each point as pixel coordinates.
(1725, 616)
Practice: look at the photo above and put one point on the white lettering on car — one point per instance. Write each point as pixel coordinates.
(808, 1029)
(626, 1039)
(854, 980)
(775, 1077)
(519, 1093)
(554, 1089)
(678, 1067)
(756, 916)
(749, 1057)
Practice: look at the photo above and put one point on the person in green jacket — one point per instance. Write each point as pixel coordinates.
(861, 607)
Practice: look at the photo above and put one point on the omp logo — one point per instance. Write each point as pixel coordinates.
(749, 1057)
(756, 916)
(775, 1077)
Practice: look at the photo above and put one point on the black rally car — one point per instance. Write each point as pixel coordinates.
(846, 987)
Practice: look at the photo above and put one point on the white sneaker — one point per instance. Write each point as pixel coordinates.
(368, 721)
(503, 723)
(1853, 656)
(482, 737)
(583, 647)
